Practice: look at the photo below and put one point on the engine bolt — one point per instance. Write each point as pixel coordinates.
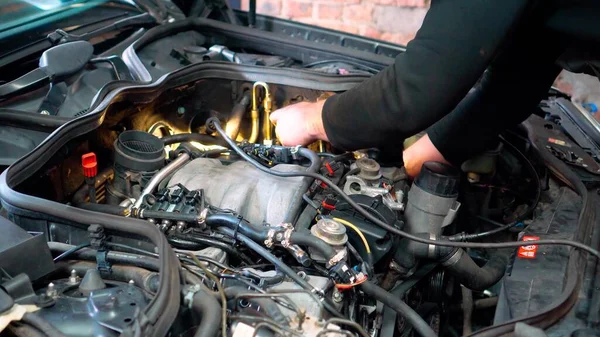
(473, 177)
(131, 282)
(51, 291)
(73, 277)
(337, 296)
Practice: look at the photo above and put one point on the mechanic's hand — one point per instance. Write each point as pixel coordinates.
(299, 124)
(421, 151)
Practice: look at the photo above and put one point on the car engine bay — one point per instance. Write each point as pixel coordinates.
(168, 207)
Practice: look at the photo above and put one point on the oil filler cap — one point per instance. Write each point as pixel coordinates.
(438, 179)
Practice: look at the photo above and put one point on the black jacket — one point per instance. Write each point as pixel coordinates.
(515, 42)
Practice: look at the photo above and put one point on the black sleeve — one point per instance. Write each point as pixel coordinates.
(510, 90)
(455, 44)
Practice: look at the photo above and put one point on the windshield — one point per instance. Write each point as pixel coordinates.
(32, 13)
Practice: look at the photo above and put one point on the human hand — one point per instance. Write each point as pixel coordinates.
(300, 123)
(421, 151)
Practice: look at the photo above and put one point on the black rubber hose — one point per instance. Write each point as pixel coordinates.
(237, 223)
(203, 242)
(269, 307)
(403, 257)
(103, 208)
(284, 268)
(259, 234)
(143, 278)
(41, 324)
(237, 114)
(209, 310)
(181, 243)
(141, 261)
(396, 304)
(193, 137)
(31, 120)
(144, 214)
(474, 277)
(309, 240)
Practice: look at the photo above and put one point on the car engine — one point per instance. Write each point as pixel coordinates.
(171, 208)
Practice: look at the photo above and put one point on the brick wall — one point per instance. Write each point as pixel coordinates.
(394, 21)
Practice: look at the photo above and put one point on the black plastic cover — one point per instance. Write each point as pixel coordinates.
(21, 252)
(66, 59)
(438, 179)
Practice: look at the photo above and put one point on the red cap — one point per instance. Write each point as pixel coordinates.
(90, 165)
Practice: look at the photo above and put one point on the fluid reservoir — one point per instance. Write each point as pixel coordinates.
(432, 198)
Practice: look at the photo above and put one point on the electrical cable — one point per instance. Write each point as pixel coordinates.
(358, 232)
(391, 229)
(71, 251)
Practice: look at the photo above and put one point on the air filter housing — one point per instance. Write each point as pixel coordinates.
(138, 155)
(139, 151)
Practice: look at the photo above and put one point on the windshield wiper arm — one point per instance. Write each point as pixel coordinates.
(60, 36)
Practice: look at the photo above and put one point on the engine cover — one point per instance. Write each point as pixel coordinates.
(257, 196)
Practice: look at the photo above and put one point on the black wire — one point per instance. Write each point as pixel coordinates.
(71, 251)
(382, 224)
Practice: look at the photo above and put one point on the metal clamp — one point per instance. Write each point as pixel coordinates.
(188, 299)
(336, 258)
(286, 238)
(269, 240)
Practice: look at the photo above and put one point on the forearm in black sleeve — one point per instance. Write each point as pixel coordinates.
(455, 44)
(508, 93)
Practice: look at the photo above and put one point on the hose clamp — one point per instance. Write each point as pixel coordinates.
(431, 248)
(286, 238)
(454, 258)
(188, 299)
(269, 240)
(202, 217)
